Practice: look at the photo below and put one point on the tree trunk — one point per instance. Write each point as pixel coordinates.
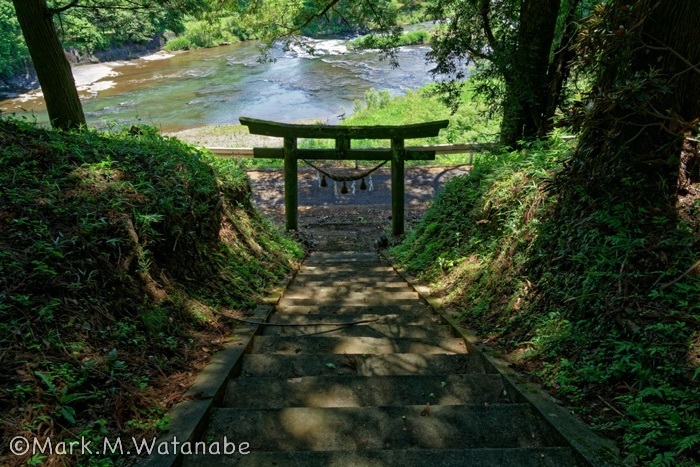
(527, 86)
(644, 104)
(52, 67)
(560, 66)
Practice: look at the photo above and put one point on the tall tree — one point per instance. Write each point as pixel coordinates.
(519, 50)
(36, 19)
(645, 98)
(51, 65)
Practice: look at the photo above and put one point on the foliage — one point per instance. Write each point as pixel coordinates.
(284, 21)
(378, 42)
(423, 105)
(518, 55)
(92, 26)
(576, 297)
(13, 51)
(119, 253)
(210, 32)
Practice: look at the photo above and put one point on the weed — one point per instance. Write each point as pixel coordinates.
(574, 291)
(114, 248)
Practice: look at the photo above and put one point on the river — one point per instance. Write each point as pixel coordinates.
(217, 85)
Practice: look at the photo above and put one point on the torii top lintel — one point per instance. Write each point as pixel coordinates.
(295, 130)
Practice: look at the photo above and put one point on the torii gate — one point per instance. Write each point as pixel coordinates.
(342, 136)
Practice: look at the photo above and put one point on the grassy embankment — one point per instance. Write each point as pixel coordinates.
(588, 306)
(120, 257)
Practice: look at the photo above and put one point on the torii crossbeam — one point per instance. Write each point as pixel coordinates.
(342, 135)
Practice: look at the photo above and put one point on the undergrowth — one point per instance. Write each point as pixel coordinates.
(121, 256)
(585, 300)
(371, 41)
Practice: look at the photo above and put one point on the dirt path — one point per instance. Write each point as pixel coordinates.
(349, 221)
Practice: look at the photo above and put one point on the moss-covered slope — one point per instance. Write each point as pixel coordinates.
(591, 299)
(120, 255)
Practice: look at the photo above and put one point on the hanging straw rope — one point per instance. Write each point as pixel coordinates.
(345, 178)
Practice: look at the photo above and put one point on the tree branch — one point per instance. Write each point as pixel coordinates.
(484, 10)
(312, 17)
(55, 11)
(695, 68)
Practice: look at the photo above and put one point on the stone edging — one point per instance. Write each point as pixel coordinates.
(590, 448)
(188, 418)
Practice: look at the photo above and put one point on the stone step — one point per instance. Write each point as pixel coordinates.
(346, 288)
(323, 269)
(477, 457)
(357, 283)
(416, 307)
(349, 278)
(368, 295)
(351, 428)
(364, 300)
(356, 345)
(354, 261)
(390, 319)
(350, 255)
(321, 273)
(362, 391)
(362, 330)
(293, 366)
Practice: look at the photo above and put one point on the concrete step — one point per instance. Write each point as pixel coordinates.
(347, 278)
(356, 345)
(389, 319)
(368, 295)
(314, 260)
(365, 300)
(284, 307)
(326, 269)
(362, 330)
(362, 391)
(351, 428)
(357, 283)
(293, 366)
(484, 457)
(345, 289)
(349, 255)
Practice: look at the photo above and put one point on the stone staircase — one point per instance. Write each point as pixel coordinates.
(355, 370)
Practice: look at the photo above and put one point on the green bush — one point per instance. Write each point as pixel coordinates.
(178, 43)
(377, 42)
(13, 51)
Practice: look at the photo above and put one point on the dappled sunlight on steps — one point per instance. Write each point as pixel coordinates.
(355, 369)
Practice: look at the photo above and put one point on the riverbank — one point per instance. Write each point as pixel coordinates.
(27, 81)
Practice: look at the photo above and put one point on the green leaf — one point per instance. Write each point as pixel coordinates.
(330, 365)
(68, 413)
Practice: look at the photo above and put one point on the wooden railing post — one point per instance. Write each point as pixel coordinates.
(397, 186)
(291, 192)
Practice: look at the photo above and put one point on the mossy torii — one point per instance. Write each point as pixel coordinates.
(342, 135)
